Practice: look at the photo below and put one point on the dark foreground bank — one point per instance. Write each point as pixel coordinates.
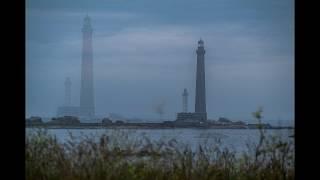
(116, 157)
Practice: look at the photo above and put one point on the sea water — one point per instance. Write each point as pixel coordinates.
(233, 139)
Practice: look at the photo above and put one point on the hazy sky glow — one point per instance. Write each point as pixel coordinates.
(144, 53)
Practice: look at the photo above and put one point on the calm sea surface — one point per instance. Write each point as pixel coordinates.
(235, 139)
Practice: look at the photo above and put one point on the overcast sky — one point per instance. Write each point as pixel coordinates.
(144, 54)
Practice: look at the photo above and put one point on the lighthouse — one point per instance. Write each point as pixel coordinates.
(200, 99)
(87, 107)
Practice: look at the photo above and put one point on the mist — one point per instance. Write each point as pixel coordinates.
(144, 56)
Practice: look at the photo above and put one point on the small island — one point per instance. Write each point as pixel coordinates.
(72, 122)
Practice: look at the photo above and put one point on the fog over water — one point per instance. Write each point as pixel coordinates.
(144, 55)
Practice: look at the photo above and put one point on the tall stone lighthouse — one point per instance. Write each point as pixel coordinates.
(200, 114)
(200, 105)
(87, 107)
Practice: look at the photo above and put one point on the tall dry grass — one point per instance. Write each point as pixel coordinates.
(117, 156)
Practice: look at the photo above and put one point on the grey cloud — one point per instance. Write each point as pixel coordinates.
(242, 68)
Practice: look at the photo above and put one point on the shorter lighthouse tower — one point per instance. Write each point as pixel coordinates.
(67, 97)
(185, 100)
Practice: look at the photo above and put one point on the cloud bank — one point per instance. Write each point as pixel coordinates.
(136, 64)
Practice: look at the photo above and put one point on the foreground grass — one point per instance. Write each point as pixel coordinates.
(117, 156)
